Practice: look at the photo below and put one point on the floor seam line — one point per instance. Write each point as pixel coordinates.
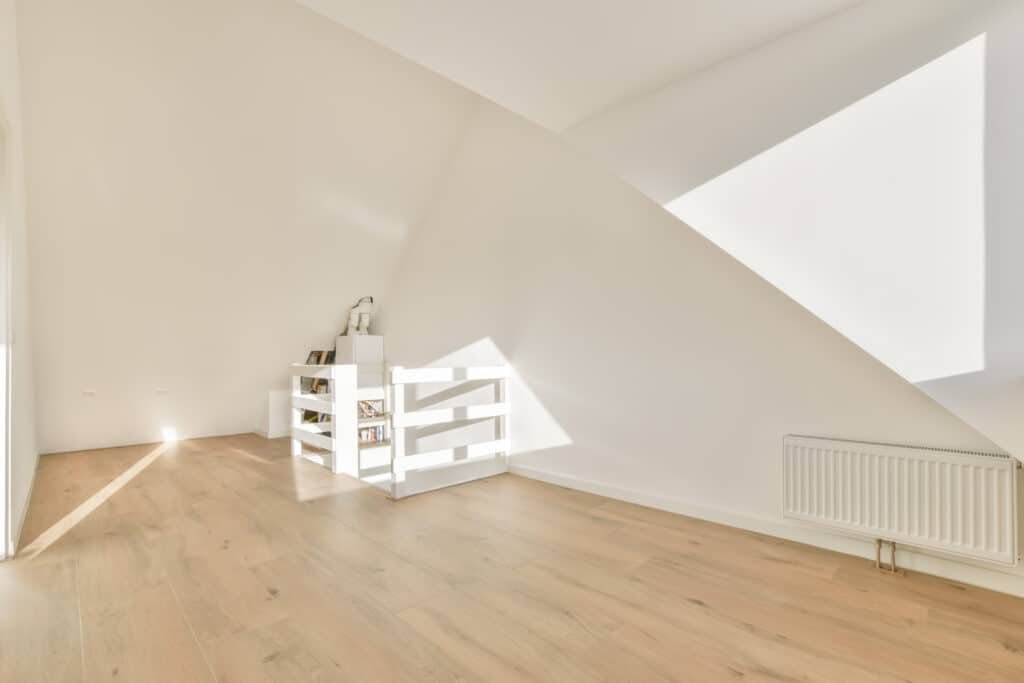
(195, 638)
(81, 626)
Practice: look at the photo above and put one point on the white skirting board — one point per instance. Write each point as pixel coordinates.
(993, 577)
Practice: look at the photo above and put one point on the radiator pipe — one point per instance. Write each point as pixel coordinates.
(892, 556)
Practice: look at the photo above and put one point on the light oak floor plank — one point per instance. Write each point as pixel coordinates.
(40, 637)
(224, 559)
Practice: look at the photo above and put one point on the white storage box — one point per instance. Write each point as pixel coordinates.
(359, 349)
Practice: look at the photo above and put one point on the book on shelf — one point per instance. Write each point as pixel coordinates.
(315, 385)
(371, 434)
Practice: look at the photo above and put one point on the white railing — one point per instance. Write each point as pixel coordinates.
(386, 463)
(448, 466)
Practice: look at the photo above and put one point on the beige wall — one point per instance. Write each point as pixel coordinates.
(669, 142)
(22, 425)
(653, 366)
(213, 183)
(234, 173)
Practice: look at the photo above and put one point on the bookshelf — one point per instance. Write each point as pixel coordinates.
(340, 436)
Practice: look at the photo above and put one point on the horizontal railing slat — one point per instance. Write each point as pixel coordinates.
(320, 403)
(415, 461)
(435, 416)
(425, 375)
(310, 434)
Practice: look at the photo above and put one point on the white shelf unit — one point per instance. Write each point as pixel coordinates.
(336, 436)
(388, 464)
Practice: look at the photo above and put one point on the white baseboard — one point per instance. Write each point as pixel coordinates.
(1003, 579)
(277, 434)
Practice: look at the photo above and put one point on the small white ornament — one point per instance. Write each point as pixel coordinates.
(359, 316)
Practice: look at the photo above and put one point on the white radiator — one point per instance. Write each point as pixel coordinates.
(955, 502)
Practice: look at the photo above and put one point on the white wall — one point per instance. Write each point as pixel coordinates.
(874, 219)
(216, 201)
(652, 365)
(673, 141)
(993, 399)
(558, 62)
(12, 205)
(212, 184)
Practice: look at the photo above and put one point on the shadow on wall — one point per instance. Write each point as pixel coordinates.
(874, 218)
(897, 221)
(537, 428)
(670, 367)
(1004, 202)
(828, 84)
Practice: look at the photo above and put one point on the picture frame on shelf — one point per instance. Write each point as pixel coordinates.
(369, 409)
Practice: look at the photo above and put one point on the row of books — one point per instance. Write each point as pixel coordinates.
(313, 385)
(371, 434)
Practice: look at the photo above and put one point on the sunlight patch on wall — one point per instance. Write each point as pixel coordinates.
(874, 218)
(533, 426)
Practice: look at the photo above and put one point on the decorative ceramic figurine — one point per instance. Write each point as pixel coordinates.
(359, 316)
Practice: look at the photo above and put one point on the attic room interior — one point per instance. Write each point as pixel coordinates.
(492, 341)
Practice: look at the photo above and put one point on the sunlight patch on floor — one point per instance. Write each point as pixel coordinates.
(70, 520)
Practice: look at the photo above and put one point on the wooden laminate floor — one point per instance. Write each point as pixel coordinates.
(225, 560)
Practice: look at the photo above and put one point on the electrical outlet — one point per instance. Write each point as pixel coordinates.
(91, 393)
(163, 391)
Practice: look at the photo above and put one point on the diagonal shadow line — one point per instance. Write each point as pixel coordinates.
(430, 430)
(449, 393)
(70, 520)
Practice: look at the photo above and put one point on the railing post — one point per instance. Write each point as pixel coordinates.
(396, 393)
(506, 431)
(296, 415)
(501, 423)
(332, 387)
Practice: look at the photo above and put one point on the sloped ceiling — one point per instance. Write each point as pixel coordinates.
(560, 62)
